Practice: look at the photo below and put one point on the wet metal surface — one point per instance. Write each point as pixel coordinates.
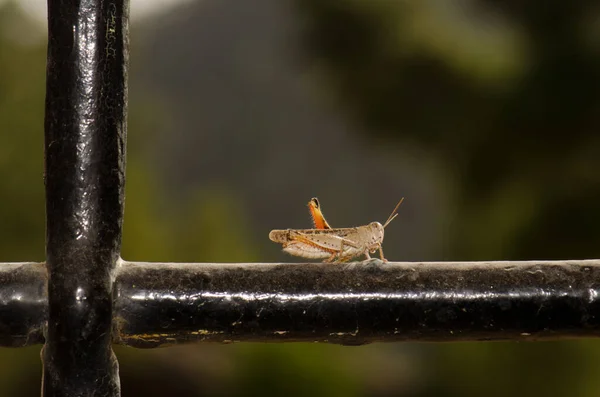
(162, 304)
(23, 304)
(85, 130)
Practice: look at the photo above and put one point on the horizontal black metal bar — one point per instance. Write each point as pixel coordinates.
(85, 131)
(161, 303)
(23, 303)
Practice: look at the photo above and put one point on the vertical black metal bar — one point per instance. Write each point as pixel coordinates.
(86, 104)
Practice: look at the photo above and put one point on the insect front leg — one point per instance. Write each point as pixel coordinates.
(381, 254)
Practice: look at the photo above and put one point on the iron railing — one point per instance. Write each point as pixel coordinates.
(84, 297)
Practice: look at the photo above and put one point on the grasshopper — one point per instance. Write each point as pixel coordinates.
(333, 245)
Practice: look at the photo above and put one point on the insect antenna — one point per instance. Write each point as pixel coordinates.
(393, 214)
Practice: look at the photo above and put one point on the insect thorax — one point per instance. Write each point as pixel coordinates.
(376, 232)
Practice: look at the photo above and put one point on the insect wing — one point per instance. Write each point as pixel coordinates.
(329, 241)
(280, 236)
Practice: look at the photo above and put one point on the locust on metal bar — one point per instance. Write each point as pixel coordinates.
(333, 244)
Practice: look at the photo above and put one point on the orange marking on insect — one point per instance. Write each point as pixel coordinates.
(316, 214)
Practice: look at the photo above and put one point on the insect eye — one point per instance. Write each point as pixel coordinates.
(315, 201)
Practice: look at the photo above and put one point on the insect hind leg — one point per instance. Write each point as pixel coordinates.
(331, 258)
(337, 254)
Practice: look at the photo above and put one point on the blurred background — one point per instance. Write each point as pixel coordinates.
(482, 114)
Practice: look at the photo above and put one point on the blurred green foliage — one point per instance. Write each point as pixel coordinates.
(514, 122)
(295, 371)
(518, 139)
(505, 95)
(199, 229)
(22, 87)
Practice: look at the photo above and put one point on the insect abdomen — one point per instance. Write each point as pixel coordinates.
(305, 251)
